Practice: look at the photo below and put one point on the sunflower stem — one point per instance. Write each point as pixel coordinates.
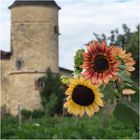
(118, 87)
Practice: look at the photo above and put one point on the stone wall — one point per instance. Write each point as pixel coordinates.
(4, 67)
(34, 44)
(34, 39)
(23, 92)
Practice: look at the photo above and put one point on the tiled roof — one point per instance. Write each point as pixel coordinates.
(34, 2)
(5, 55)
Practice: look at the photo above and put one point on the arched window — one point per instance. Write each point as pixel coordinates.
(39, 84)
(19, 64)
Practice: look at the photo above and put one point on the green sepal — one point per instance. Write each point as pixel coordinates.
(121, 66)
(77, 72)
(78, 58)
(64, 80)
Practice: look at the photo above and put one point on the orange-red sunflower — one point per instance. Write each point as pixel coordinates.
(125, 58)
(99, 63)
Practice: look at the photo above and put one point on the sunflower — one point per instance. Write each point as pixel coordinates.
(83, 97)
(125, 58)
(99, 63)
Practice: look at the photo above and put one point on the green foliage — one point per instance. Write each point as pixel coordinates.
(77, 72)
(9, 127)
(52, 93)
(78, 58)
(64, 80)
(67, 128)
(127, 112)
(133, 47)
(38, 113)
(135, 97)
(78, 61)
(109, 92)
(26, 113)
(122, 74)
(51, 105)
(100, 38)
(122, 39)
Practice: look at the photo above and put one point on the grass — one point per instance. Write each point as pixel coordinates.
(66, 128)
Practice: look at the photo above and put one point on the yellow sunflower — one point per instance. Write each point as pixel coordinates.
(83, 97)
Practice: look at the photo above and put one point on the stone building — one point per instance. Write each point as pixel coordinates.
(34, 48)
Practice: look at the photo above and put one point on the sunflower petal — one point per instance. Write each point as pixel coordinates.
(88, 111)
(99, 101)
(81, 111)
(96, 107)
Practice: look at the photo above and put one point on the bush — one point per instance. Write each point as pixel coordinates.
(9, 126)
(37, 113)
(34, 114)
(26, 113)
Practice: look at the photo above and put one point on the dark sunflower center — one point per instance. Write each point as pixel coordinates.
(100, 63)
(83, 95)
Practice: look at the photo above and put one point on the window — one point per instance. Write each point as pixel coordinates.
(39, 84)
(19, 64)
(56, 31)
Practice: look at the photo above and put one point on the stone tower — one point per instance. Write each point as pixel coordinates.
(34, 48)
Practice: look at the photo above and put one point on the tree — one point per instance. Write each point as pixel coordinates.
(132, 46)
(52, 94)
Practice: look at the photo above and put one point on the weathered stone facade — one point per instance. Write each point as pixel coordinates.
(34, 48)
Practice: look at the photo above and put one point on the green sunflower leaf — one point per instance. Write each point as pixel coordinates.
(78, 58)
(135, 97)
(109, 92)
(126, 78)
(132, 105)
(134, 87)
(127, 112)
(122, 72)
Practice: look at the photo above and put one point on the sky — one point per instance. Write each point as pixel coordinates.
(78, 19)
